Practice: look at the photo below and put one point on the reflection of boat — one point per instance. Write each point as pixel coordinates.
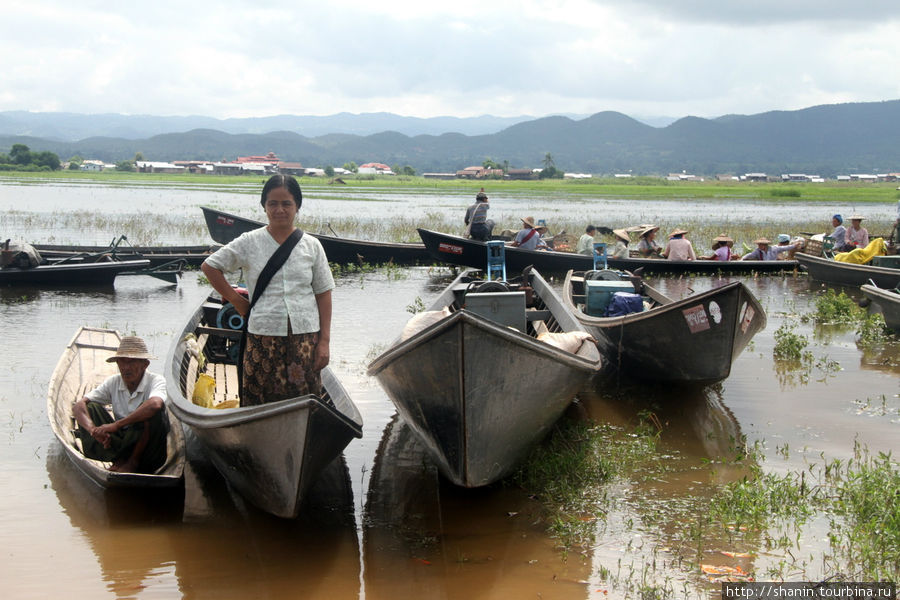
(417, 529)
(692, 340)
(458, 250)
(224, 227)
(81, 368)
(833, 271)
(478, 386)
(888, 301)
(272, 453)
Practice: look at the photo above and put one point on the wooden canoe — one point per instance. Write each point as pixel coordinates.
(887, 301)
(271, 454)
(157, 255)
(480, 394)
(71, 273)
(465, 252)
(80, 369)
(829, 270)
(224, 227)
(694, 340)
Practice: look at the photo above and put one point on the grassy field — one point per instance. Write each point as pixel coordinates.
(638, 187)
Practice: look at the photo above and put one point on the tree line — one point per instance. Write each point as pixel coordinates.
(21, 158)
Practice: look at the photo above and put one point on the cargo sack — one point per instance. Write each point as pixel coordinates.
(624, 303)
(20, 255)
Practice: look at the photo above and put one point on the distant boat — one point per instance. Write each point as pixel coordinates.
(224, 227)
(80, 369)
(829, 270)
(888, 301)
(692, 340)
(71, 273)
(479, 386)
(466, 252)
(271, 453)
(157, 255)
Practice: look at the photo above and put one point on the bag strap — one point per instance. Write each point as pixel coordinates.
(276, 261)
(529, 235)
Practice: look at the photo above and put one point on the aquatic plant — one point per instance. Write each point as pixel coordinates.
(790, 345)
(837, 308)
(872, 331)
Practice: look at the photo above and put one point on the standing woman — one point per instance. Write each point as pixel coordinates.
(289, 328)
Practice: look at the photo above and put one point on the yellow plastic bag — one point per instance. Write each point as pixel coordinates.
(204, 390)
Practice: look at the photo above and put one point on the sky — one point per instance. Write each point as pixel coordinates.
(644, 58)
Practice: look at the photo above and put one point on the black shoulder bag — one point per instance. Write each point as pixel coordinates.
(276, 261)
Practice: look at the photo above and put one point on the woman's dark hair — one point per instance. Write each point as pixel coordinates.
(285, 181)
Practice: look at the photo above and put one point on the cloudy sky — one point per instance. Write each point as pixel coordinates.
(463, 58)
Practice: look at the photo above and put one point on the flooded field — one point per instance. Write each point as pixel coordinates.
(381, 523)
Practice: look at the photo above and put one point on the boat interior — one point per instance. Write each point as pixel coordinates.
(593, 291)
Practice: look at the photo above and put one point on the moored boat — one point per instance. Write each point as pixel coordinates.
(693, 340)
(71, 273)
(157, 255)
(480, 386)
(80, 369)
(224, 227)
(887, 301)
(271, 453)
(466, 252)
(829, 270)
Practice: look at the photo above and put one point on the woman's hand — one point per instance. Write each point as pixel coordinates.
(241, 304)
(322, 355)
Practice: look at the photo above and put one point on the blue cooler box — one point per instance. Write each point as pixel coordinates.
(598, 293)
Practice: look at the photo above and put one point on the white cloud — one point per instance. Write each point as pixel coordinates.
(656, 57)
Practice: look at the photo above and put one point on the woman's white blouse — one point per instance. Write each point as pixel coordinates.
(291, 294)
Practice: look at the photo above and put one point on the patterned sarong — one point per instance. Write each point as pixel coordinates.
(279, 367)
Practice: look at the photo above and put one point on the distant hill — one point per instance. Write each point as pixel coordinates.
(74, 126)
(825, 140)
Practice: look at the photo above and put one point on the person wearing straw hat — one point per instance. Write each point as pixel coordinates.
(647, 246)
(679, 247)
(133, 438)
(857, 236)
(529, 236)
(766, 251)
(621, 248)
(721, 247)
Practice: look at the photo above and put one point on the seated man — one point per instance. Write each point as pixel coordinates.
(134, 438)
(764, 251)
(529, 236)
(586, 241)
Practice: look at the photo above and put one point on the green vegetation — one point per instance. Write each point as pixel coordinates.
(21, 158)
(790, 345)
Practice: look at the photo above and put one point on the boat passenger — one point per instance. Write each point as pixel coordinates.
(478, 226)
(648, 247)
(722, 249)
(621, 248)
(289, 329)
(586, 241)
(839, 234)
(541, 243)
(133, 438)
(529, 236)
(856, 236)
(765, 251)
(679, 247)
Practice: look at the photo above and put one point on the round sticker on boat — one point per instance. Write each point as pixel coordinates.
(715, 312)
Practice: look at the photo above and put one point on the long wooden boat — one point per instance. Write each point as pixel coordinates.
(80, 369)
(157, 255)
(829, 270)
(224, 227)
(693, 340)
(272, 453)
(72, 273)
(888, 301)
(478, 387)
(465, 252)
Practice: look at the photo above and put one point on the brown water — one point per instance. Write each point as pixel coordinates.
(382, 524)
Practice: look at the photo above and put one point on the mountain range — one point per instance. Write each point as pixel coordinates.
(825, 140)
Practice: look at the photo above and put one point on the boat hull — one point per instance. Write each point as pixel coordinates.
(157, 255)
(461, 251)
(479, 395)
(887, 301)
(224, 227)
(273, 453)
(692, 341)
(71, 274)
(82, 367)
(832, 271)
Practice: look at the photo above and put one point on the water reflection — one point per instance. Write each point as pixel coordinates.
(207, 543)
(425, 538)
